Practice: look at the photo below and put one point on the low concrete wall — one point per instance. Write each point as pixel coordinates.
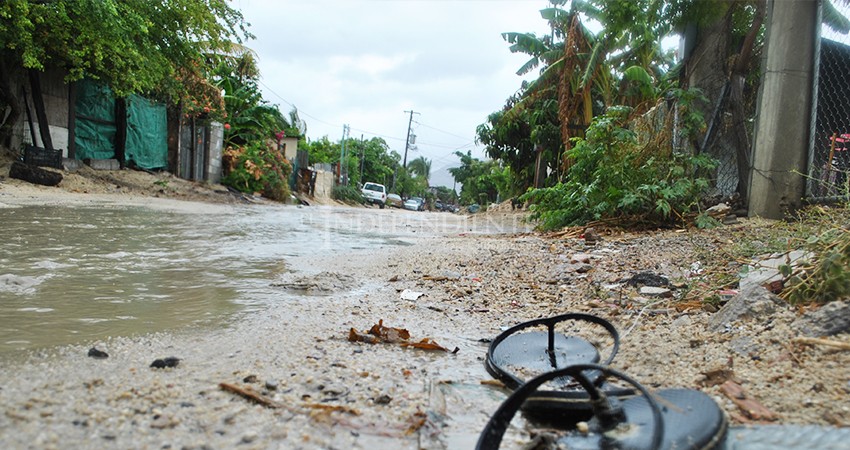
(216, 142)
(324, 184)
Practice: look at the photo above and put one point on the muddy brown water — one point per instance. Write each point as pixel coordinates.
(79, 274)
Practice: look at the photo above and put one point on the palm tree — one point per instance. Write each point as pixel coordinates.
(249, 117)
(421, 166)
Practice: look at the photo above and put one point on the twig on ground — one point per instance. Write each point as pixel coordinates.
(819, 341)
(640, 313)
(250, 395)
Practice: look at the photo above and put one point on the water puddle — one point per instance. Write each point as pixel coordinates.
(78, 274)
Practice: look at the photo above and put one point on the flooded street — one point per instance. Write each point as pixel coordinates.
(77, 274)
(265, 298)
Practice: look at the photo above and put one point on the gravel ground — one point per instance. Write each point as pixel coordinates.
(327, 392)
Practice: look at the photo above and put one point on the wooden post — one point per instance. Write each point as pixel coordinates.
(40, 114)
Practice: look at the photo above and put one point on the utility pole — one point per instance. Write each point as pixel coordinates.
(407, 141)
(362, 155)
(342, 168)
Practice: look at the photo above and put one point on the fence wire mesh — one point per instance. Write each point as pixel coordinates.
(829, 161)
(719, 145)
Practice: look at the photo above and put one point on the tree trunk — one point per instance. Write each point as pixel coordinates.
(10, 107)
(40, 113)
(736, 97)
(33, 174)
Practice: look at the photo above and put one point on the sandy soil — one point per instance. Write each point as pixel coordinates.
(327, 392)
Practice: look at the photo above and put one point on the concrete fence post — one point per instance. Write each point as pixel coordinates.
(780, 153)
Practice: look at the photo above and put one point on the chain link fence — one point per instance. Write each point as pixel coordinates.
(829, 156)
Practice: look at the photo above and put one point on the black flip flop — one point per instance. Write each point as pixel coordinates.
(668, 419)
(536, 352)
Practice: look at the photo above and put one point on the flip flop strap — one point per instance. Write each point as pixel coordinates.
(550, 323)
(491, 437)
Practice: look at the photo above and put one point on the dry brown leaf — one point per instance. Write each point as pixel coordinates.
(425, 344)
(332, 408)
(389, 334)
(356, 336)
(417, 420)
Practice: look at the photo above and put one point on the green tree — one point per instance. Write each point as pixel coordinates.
(248, 117)
(479, 179)
(134, 46)
(408, 185)
(420, 167)
(322, 151)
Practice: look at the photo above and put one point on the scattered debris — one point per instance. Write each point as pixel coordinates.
(383, 399)
(408, 294)
(718, 211)
(590, 236)
(417, 421)
(96, 353)
(652, 291)
(647, 279)
(824, 342)
(389, 334)
(381, 334)
(828, 320)
(718, 376)
(324, 408)
(250, 394)
(752, 408)
(170, 361)
(34, 175)
(426, 344)
(250, 379)
(752, 301)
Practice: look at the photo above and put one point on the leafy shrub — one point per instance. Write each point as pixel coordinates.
(347, 194)
(614, 176)
(257, 168)
(825, 275)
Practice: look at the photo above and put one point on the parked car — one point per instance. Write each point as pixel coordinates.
(394, 200)
(439, 206)
(375, 194)
(415, 204)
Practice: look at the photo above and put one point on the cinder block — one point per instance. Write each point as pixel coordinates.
(71, 165)
(104, 164)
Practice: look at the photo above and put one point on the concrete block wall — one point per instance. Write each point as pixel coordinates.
(216, 142)
(324, 184)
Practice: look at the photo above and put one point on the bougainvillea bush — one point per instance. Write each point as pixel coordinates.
(257, 168)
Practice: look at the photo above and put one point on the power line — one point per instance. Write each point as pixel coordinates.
(371, 133)
(441, 131)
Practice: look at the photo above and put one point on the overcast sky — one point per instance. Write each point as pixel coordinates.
(365, 62)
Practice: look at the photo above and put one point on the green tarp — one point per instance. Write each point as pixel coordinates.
(95, 131)
(147, 133)
(146, 143)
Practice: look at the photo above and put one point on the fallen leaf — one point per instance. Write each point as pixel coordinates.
(425, 344)
(356, 336)
(417, 420)
(389, 334)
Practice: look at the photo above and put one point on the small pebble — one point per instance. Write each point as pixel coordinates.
(383, 400)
